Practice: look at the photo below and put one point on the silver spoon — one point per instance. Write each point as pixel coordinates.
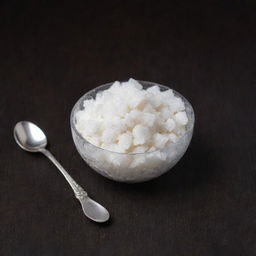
(31, 138)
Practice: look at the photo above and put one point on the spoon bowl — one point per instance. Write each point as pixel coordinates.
(29, 136)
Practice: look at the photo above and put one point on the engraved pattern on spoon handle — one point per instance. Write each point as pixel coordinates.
(78, 190)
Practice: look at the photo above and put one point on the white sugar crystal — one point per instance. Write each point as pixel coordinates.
(118, 160)
(110, 135)
(121, 108)
(156, 101)
(160, 155)
(148, 108)
(148, 119)
(112, 147)
(181, 118)
(116, 148)
(125, 140)
(136, 99)
(136, 84)
(179, 131)
(94, 140)
(169, 124)
(176, 105)
(129, 121)
(88, 103)
(104, 145)
(116, 123)
(159, 140)
(135, 115)
(115, 87)
(140, 149)
(173, 137)
(154, 90)
(88, 127)
(80, 116)
(165, 112)
(167, 95)
(138, 161)
(141, 134)
(152, 149)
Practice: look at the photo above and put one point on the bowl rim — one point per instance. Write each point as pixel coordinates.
(73, 127)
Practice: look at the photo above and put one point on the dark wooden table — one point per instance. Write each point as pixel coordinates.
(52, 52)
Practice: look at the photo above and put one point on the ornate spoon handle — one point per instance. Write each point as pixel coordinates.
(80, 193)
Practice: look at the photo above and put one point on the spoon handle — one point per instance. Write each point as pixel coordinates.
(80, 193)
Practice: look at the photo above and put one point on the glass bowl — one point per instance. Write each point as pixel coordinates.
(131, 167)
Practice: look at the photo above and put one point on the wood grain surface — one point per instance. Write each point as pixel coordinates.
(52, 52)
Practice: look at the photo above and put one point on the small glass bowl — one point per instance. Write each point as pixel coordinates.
(131, 167)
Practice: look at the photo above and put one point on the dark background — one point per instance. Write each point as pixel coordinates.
(52, 52)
